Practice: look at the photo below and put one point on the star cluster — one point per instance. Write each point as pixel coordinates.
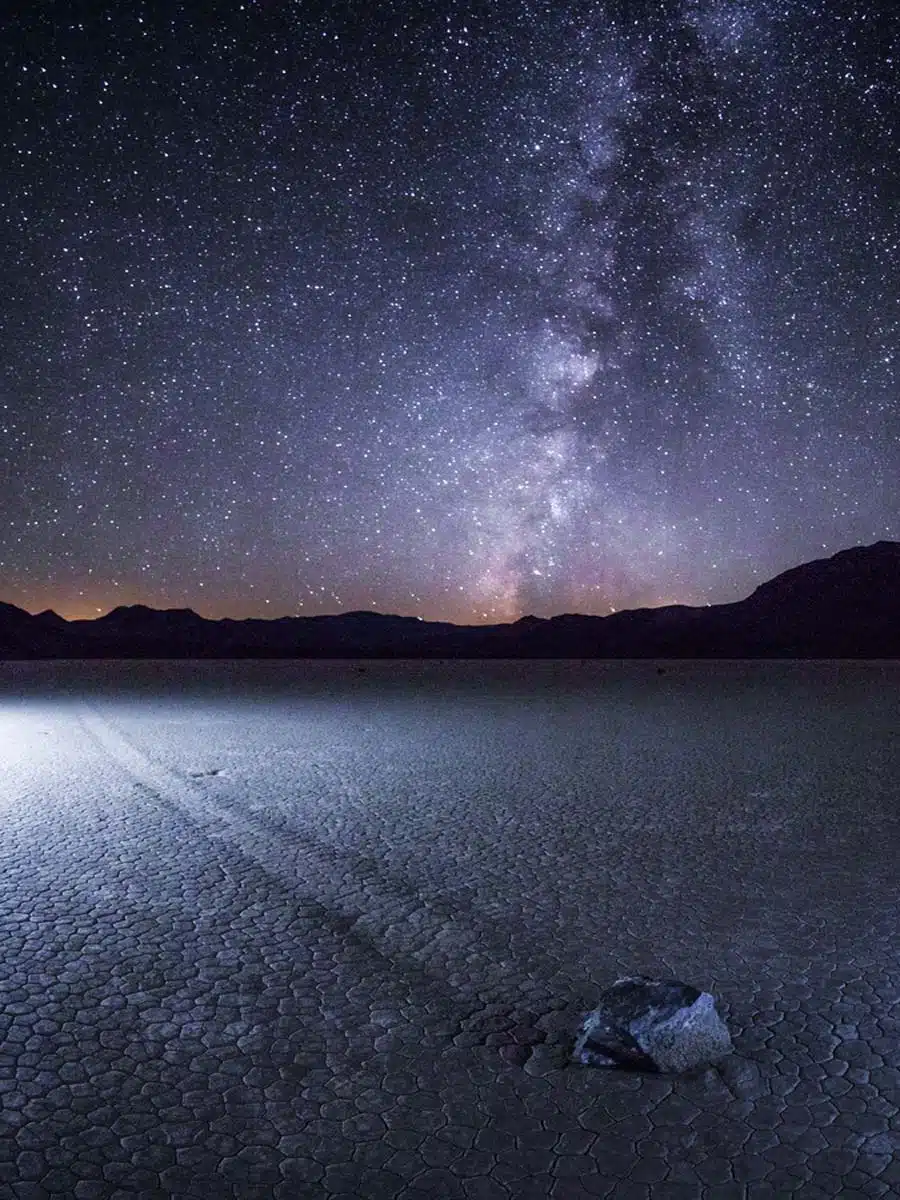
(464, 311)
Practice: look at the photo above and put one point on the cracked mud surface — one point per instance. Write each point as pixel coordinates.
(289, 930)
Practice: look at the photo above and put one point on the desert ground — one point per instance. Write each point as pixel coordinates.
(327, 929)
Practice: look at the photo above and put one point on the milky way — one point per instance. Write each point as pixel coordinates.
(461, 311)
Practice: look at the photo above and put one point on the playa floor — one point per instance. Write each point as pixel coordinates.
(327, 929)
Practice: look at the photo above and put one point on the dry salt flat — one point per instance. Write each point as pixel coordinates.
(328, 929)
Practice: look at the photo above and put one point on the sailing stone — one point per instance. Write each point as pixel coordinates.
(643, 1024)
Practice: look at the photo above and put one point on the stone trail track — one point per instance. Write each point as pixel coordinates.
(336, 944)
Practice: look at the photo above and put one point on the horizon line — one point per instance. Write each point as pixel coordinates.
(486, 622)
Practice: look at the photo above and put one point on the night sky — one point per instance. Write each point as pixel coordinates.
(457, 310)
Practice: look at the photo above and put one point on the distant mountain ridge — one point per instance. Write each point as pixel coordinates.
(846, 606)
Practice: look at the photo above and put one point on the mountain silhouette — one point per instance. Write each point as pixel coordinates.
(846, 606)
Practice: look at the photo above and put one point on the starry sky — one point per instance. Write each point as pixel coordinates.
(460, 310)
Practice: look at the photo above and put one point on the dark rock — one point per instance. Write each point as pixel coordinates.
(643, 1024)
